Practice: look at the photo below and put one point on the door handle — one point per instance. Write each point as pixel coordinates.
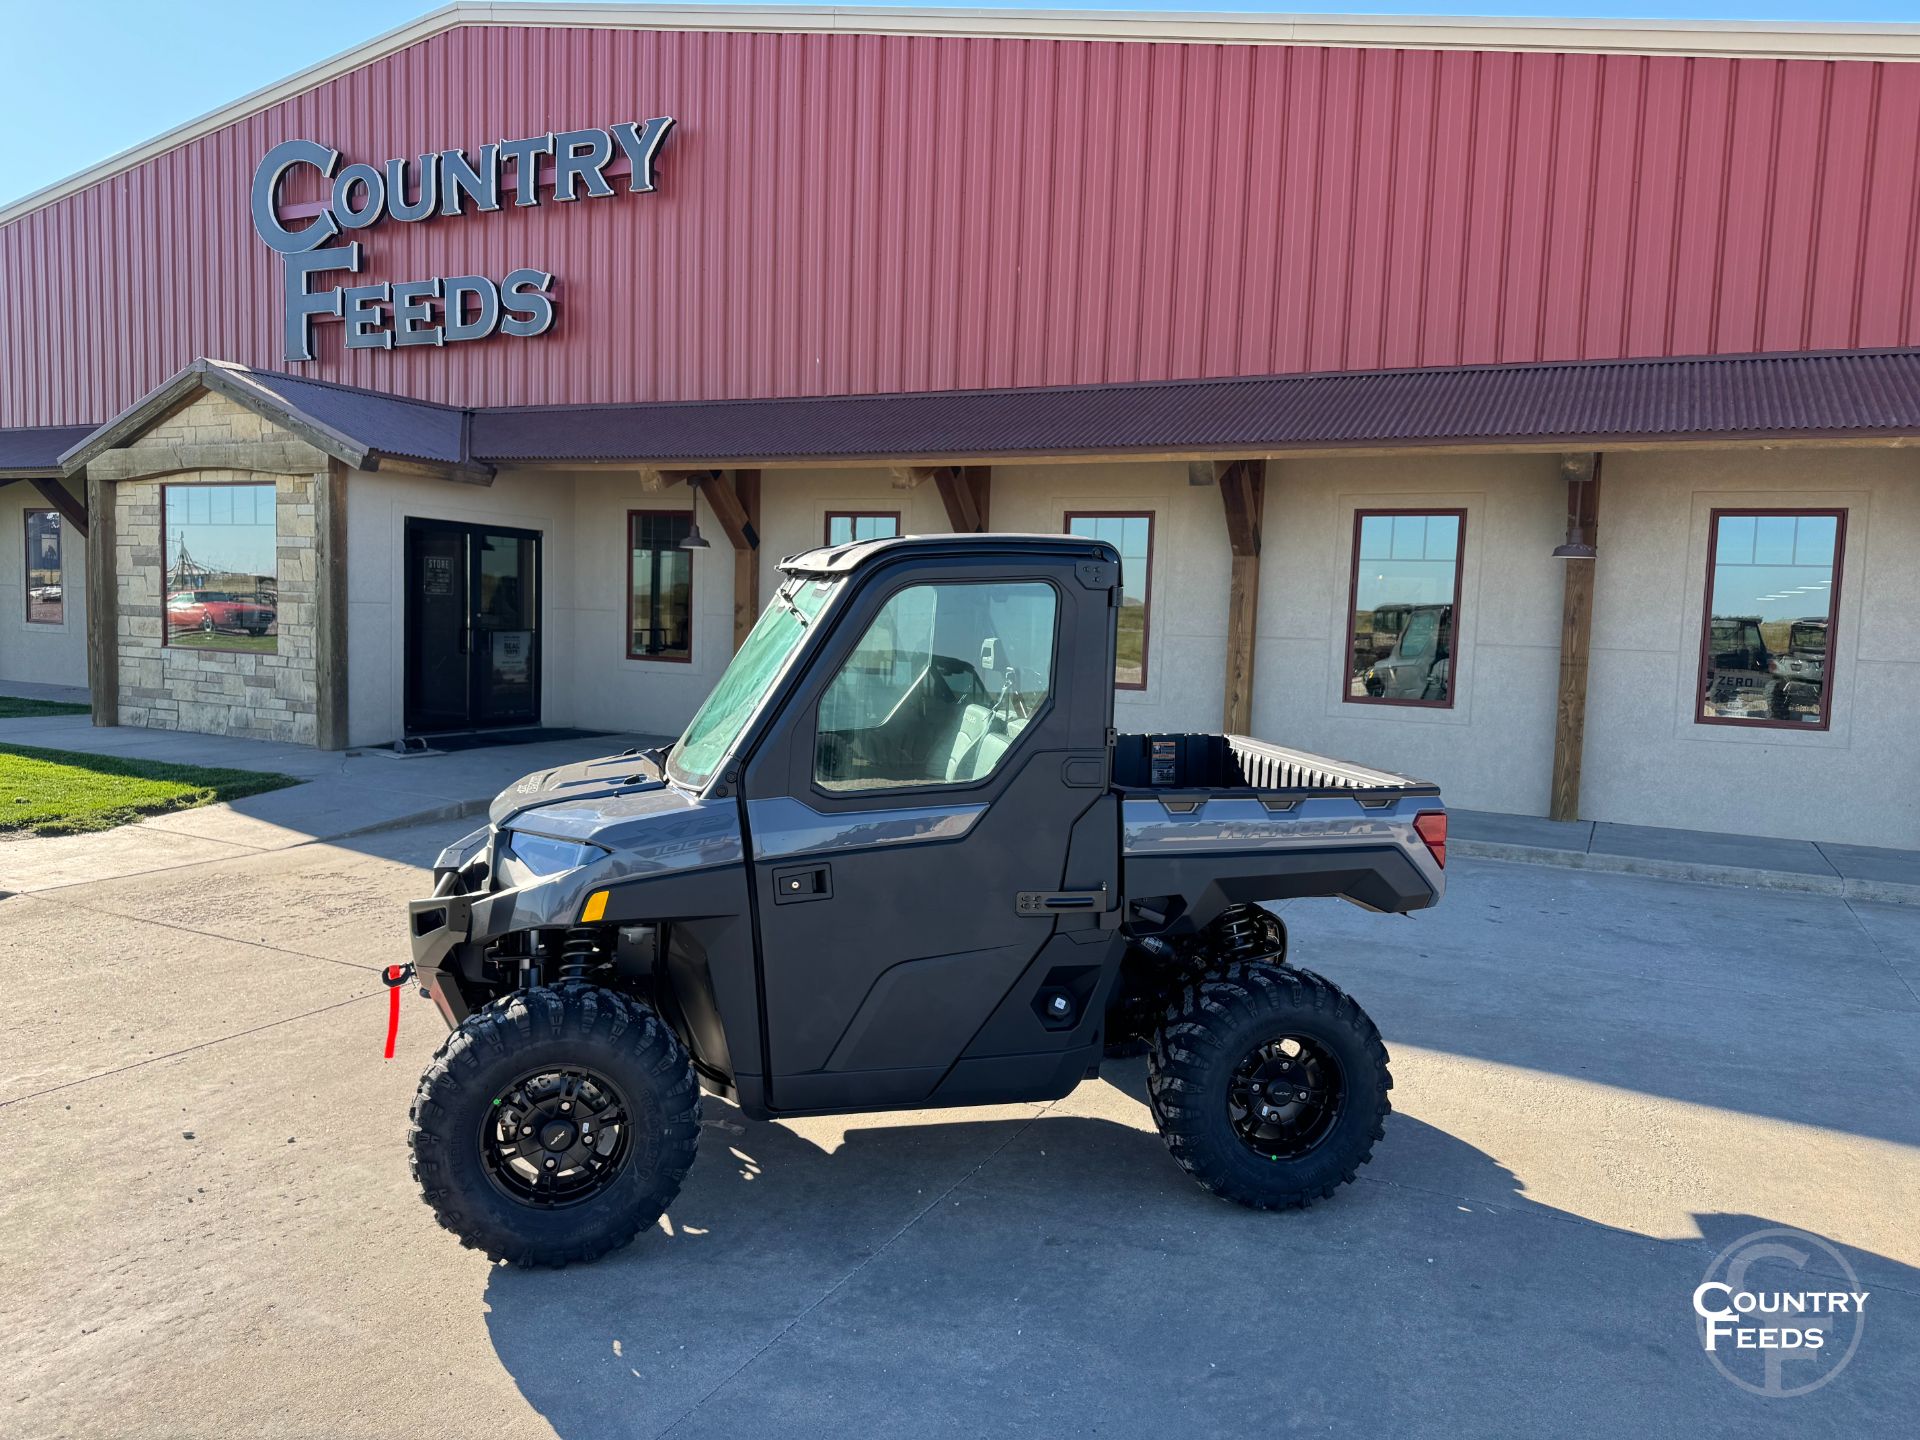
(1063, 902)
(799, 883)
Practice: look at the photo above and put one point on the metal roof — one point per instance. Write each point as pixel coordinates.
(1819, 41)
(1852, 394)
(36, 451)
(1839, 395)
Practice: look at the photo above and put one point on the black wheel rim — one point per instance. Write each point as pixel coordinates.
(555, 1138)
(1285, 1097)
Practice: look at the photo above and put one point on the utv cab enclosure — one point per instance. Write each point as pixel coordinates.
(900, 858)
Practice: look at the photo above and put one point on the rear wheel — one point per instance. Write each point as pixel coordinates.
(1269, 1085)
(554, 1125)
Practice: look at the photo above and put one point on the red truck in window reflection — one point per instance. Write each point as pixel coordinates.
(211, 611)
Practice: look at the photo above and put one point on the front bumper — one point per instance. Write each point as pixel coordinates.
(435, 928)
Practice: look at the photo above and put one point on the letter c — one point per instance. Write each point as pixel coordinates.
(266, 193)
(1698, 1295)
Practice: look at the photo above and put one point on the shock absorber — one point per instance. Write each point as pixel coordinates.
(1247, 932)
(580, 953)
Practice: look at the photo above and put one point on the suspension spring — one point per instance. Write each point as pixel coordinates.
(580, 952)
(1246, 933)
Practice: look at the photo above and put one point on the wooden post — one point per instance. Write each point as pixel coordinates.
(103, 605)
(330, 606)
(1582, 474)
(746, 563)
(1243, 492)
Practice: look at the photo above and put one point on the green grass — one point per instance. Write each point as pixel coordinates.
(12, 707)
(62, 792)
(219, 640)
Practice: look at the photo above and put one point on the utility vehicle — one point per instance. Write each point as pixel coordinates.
(900, 859)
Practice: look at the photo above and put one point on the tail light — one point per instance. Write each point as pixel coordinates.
(1431, 826)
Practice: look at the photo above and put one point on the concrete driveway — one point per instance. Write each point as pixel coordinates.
(207, 1228)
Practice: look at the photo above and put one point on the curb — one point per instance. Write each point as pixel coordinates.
(453, 810)
(1884, 892)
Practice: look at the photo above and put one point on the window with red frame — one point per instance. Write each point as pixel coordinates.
(659, 585)
(1773, 585)
(1404, 606)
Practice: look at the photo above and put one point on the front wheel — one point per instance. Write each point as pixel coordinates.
(554, 1125)
(1269, 1085)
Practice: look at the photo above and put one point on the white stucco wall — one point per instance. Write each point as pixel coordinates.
(1493, 750)
(1187, 616)
(378, 505)
(40, 654)
(612, 692)
(1646, 761)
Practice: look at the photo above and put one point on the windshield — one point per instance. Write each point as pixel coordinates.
(1810, 637)
(717, 725)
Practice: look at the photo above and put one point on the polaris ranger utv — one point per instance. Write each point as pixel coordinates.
(900, 859)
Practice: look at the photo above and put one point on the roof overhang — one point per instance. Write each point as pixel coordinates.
(1714, 38)
(354, 427)
(1864, 396)
(1828, 397)
(34, 453)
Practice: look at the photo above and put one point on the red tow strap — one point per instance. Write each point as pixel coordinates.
(394, 977)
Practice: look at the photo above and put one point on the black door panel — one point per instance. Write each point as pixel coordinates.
(875, 988)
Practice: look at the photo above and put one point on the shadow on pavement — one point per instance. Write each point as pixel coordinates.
(1079, 1284)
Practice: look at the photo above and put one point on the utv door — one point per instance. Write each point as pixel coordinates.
(944, 757)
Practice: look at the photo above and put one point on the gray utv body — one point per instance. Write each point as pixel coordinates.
(822, 947)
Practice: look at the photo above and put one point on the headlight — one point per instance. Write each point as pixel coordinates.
(525, 857)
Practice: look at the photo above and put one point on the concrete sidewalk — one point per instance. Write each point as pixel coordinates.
(1854, 872)
(357, 792)
(345, 794)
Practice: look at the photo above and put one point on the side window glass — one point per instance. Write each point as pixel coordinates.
(940, 688)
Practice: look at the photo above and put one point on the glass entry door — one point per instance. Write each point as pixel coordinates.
(472, 627)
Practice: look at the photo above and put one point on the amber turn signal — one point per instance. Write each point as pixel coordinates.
(596, 906)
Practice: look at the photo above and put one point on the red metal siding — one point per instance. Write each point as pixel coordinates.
(847, 214)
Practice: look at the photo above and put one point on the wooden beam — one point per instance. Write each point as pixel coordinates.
(1243, 495)
(958, 495)
(746, 562)
(727, 509)
(72, 509)
(103, 606)
(154, 459)
(653, 481)
(979, 479)
(1582, 473)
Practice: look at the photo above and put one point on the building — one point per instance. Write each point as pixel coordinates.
(1523, 404)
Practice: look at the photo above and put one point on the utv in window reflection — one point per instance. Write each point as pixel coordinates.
(1420, 663)
(1737, 660)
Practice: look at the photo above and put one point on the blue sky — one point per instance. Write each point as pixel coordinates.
(101, 75)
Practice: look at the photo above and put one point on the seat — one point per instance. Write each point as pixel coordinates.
(974, 723)
(986, 755)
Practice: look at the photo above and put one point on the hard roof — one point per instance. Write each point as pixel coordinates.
(838, 559)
